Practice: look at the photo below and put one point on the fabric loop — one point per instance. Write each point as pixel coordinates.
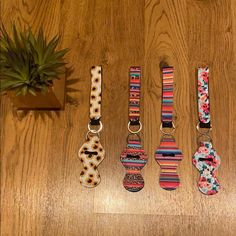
(134, 95)
(203, 98)
(167, 96)
(95, 95)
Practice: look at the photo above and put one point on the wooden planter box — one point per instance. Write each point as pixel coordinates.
(53, 100)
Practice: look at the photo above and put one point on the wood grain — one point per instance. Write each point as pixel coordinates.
(40, 190)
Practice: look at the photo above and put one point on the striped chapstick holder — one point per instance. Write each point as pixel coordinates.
(167, 155)
(133, 157)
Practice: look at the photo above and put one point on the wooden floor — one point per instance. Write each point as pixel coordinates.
(40, 190)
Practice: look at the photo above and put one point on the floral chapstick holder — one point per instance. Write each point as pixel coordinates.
(207, 162)
(133, 159)
(206, 159)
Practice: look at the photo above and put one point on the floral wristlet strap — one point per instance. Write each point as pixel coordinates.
(92, 153)
(205, 159)
(168, 156)
(133, 157)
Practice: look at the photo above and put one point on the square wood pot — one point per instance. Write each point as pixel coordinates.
(54, 99)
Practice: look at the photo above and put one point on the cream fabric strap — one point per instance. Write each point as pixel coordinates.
(95, 95)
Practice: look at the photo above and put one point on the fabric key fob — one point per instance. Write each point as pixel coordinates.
(168, 156)
(133, 159)
(207, 161)
(91, 155)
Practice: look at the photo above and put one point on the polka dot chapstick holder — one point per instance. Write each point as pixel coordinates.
(92, 153)
(167, 155)
(206, 160)
(133, 157)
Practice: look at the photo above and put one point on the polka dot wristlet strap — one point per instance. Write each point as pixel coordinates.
(133, 157)
(206, 159)
(92, 153)
(167, 155)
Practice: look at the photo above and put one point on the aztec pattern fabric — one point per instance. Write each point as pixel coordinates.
(207, 161)
(168, 156)
(133, 159)
(134, 99)
(167, 95)
(91, 154)
(203, 95)
(95, 97)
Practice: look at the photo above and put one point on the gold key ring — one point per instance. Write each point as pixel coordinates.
(94, 131)
(168, 133)
(200, 132)
(137, 131)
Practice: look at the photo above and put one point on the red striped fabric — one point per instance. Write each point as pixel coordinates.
(134, 97)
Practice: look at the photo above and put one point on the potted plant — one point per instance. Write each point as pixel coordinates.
(32, 69)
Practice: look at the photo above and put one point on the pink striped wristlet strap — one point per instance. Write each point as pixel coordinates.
(167, 97)
(134, 94)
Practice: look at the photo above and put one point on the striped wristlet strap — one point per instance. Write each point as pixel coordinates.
(167, 96)
(133, 157)
(168, 155)
(203, 98)
(134, 94)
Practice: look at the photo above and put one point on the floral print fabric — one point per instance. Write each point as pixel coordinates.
(203, 95)
(207, 162)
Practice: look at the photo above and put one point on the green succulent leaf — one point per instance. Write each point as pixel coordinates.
(28, 62)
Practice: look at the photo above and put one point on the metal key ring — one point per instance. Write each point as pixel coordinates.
(200, 132)
(168, 133)
(137, 131)
(94, 131)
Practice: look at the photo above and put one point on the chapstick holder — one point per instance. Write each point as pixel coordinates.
(167, 155)
(206, 159)
(133, 157)
(92, 153)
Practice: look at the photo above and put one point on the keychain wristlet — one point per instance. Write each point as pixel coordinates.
(133, 157)
(206, 159)
(92, 153)
(167, 154)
